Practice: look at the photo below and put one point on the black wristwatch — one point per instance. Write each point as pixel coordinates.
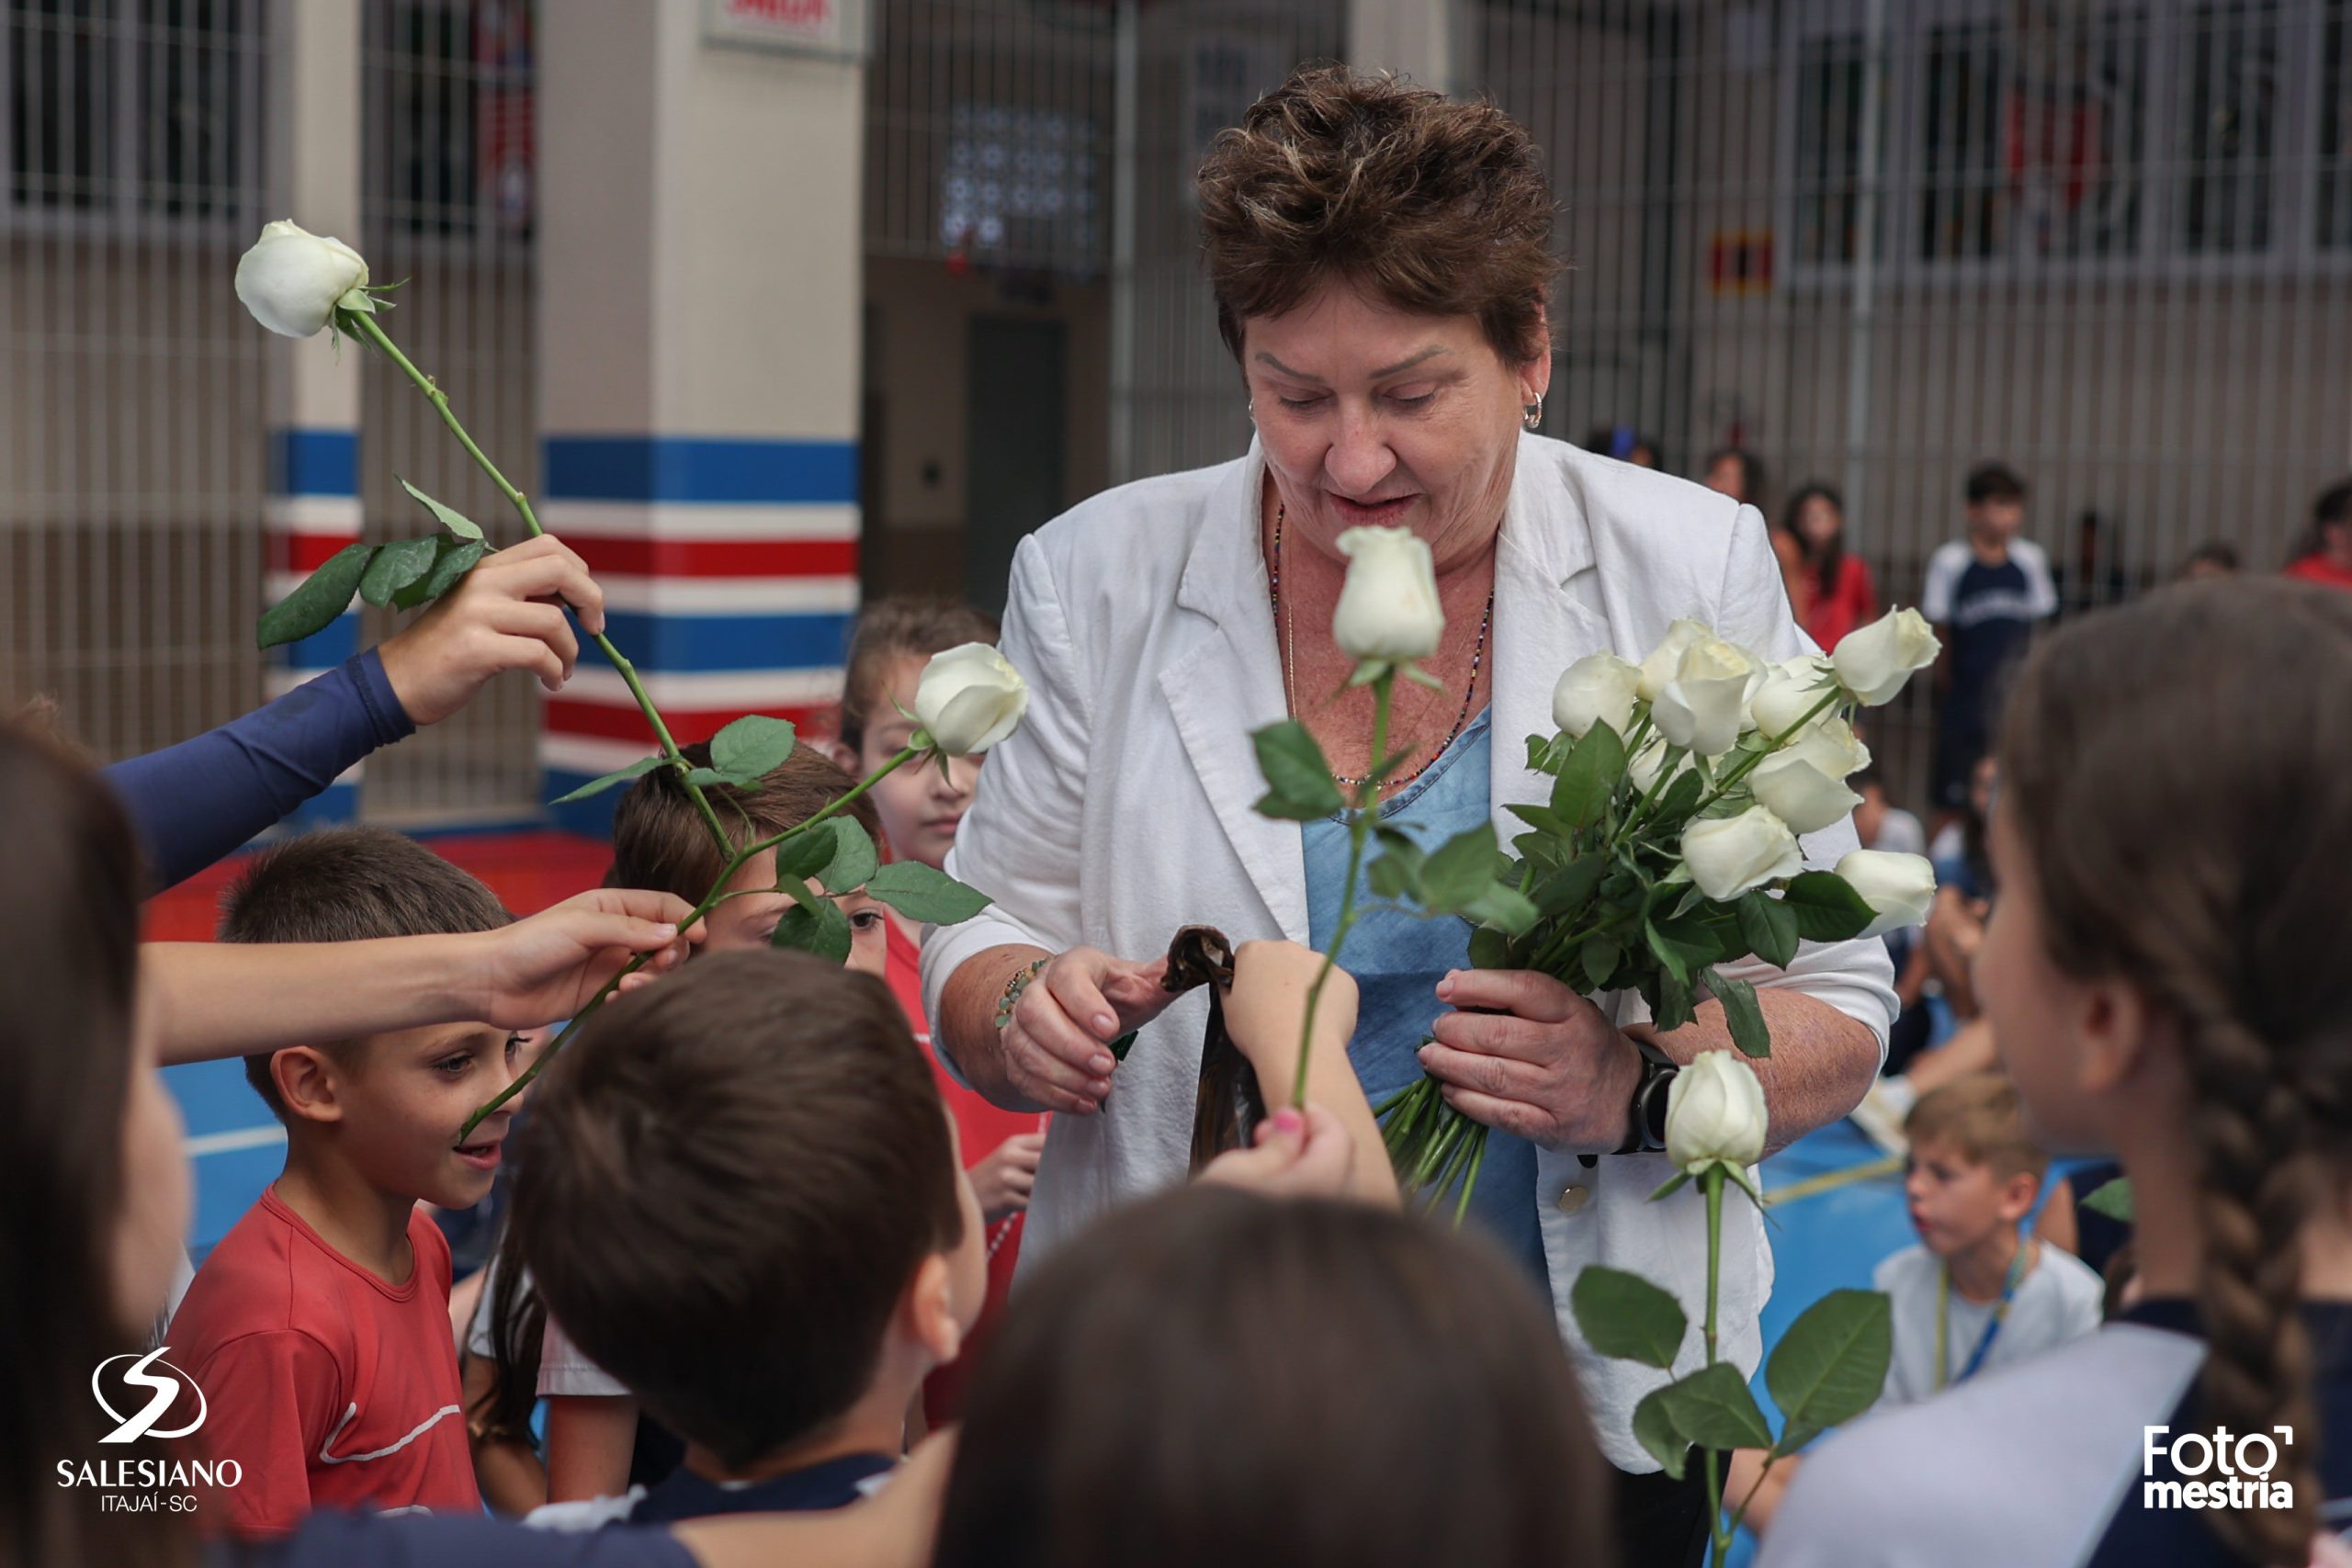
(1645, 1114)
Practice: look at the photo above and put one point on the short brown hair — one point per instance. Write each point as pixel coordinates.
(1186, 1385)
(1436, 207)
(349, 884)
(901, 626)
(725, 1185)
(661, 842)
(1981, 1116)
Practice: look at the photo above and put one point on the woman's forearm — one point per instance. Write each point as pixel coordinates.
(1822, 1063)
(217, 1000)
(967, 1028)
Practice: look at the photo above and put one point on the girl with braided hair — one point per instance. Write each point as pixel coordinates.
(2164, 977)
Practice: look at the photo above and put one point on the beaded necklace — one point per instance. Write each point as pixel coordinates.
(1289, 693)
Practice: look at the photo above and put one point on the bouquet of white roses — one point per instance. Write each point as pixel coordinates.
(1667, 847)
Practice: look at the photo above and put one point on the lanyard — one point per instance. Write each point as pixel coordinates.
(1992, 1329)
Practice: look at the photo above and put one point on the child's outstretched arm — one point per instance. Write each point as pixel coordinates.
(214, 999)
(1263, 1013)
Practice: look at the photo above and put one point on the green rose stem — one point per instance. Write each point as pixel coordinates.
(736, 860)
(362, 325)
(1367, 797)
(1712, 1184)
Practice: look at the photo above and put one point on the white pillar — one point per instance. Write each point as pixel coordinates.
(1425, 40)
(312, 508)
(701, 283)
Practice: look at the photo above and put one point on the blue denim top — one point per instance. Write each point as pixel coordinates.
(1397, 960)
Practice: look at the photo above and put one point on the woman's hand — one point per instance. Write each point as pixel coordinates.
(1002, 1180)
(1536, 1060)
(506, 613)
(1057, 1043)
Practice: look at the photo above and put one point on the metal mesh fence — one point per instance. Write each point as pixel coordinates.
(131, 458)
(1871, 241)
(2104, 242)
(446, 153)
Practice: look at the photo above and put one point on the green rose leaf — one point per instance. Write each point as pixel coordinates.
(318, 600)
(1397, 873)
(1830, 1364)
(1502, 908)
(1459, 870)
(1748, 1030)
(1684, 947)
(1680, 798)
(1713, 1409)
(2112, 1198)
(637, 769)
(1491, 949)
(821, 929)
(921, 892)
(1300, 785)
(1827, 906)
(1600, 956)
(752, 748)
(1624, 1315)
(807, 853)
(396, 565)
(1570, 888)
(1671, 1006)
(854, 859)
(1654, 1430)
(457, 557)
(457, 522)
(1589, 779)
(1768, 928)
(1544, 820)
(1545, 756)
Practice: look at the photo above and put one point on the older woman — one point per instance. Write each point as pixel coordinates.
(1381, 258)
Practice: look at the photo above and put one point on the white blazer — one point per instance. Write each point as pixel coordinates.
(1122, 810)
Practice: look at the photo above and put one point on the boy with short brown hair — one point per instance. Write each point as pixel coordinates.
(739, 1194)
(319, 1328)
(1975, 1291)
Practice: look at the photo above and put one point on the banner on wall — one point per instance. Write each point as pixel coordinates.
(832, 27)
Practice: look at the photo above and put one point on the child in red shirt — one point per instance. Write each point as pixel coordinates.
(319, 1328)
(920, 808)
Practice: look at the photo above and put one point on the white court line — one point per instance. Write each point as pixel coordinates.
(233, 1140)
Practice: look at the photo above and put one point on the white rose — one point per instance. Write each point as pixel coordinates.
(1388, 606)
(1597, 689)
(1830, 744)
(1901, 887)
(1728, 855)
(1791, 689)
(969, 698)
(1800, 794)
(1714, 1111)
(1664, 659)
(1704, 706)
(1874, 661)
(291, 279)
(1650, 760)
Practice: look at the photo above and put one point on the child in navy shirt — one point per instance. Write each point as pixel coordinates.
(1986, 595)
(739, 1192)
(2164, 977)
